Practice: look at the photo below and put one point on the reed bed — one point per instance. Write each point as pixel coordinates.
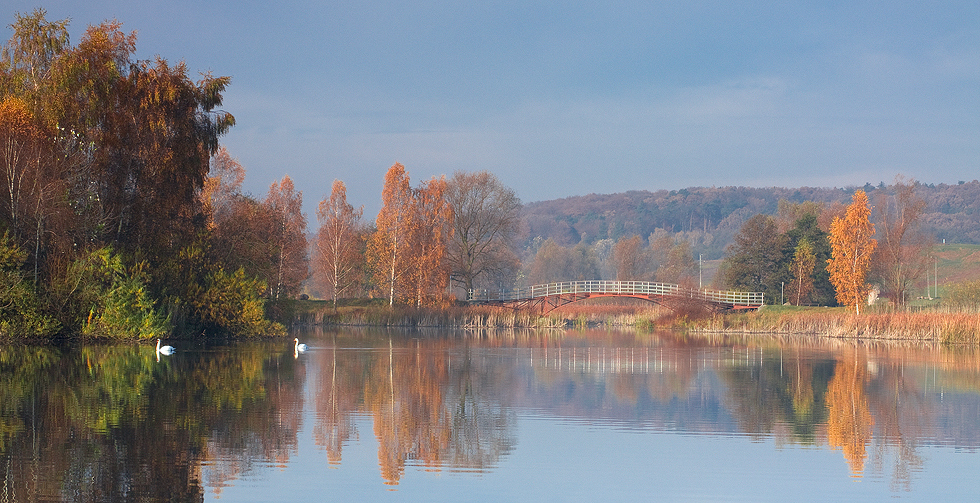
(450, 317)
(939, 325)
(946, 327)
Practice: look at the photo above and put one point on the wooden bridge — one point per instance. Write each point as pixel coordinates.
(545, 298)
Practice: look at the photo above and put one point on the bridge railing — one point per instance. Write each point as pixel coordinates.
(644, 288)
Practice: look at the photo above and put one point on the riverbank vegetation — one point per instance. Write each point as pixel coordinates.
(936, 321)
(112, 221)
(123, 217)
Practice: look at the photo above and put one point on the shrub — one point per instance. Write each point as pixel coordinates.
(119, 304)
(964, 295)
(232, 303)
(22, 313)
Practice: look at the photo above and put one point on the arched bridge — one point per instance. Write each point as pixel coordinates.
(544, 298)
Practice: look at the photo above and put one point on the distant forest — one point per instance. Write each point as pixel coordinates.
(709, 217)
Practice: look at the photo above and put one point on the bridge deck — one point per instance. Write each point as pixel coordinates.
(553, 295)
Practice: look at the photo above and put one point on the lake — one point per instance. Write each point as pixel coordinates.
(565, 416)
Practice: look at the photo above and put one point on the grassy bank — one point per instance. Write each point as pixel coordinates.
(926, 325)
(933, 324)
(378, 314)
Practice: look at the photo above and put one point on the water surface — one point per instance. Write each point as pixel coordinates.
(462, 416)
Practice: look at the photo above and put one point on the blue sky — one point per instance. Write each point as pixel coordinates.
(570, 98)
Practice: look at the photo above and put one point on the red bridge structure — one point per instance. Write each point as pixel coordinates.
(545, 298)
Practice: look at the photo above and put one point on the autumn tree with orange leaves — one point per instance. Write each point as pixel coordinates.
(849, 420)
(31, 187)
(852, 246)
(408, 252)
(388, 250)
(430, 232)
(104, 159)
(223, 184)
(338, 256)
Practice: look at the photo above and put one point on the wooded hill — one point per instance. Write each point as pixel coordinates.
(709, 217)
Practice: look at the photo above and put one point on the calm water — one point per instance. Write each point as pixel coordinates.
(453, 416)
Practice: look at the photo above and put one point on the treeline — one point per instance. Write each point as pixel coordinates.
(121, 216)
(109, 222)
(709, 217)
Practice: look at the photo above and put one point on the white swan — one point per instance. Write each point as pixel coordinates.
(166, 350)
(299, 348)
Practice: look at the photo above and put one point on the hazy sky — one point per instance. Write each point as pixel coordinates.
(569, 98)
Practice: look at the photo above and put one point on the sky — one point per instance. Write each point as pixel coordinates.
(570, 98)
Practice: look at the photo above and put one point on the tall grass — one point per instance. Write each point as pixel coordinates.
(939, 325)
(458, 317)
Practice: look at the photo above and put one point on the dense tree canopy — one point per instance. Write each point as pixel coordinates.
(754, 258)
(106, 194)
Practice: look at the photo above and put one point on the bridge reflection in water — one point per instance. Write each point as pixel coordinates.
(639, 361)
(545, 298)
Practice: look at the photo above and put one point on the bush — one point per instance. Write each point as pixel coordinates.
(232, 303)
(22, 313)
(964, 295)
(117, 298)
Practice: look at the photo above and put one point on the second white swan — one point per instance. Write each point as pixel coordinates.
(299, 348)
(166, 350)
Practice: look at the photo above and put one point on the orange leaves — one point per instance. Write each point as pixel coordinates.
(430, 231)
(387, 247)
(852, 246)
(408, 251)
(849, 419)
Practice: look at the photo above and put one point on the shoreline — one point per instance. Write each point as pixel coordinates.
(934, 325)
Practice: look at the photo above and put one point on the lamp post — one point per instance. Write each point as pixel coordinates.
(699, 270)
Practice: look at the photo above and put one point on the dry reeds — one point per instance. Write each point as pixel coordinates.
(947, 327)
(939, 326)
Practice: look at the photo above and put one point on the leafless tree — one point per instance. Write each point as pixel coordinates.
(486, 221)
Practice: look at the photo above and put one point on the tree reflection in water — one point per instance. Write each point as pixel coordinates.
(110, 422)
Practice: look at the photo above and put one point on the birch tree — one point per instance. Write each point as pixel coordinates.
(387, 248)
(430, 231)
(852, 246)
(289, 238)
(338, 242)
(804, 260)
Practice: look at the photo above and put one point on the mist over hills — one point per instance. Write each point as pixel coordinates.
(709, 217)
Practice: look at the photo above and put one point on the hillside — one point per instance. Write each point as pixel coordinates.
(711, 216)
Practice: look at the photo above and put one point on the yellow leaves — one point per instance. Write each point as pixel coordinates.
(852, 246)
(849, 419)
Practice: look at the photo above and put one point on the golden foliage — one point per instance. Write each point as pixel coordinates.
(849, 420)
(852, 246)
